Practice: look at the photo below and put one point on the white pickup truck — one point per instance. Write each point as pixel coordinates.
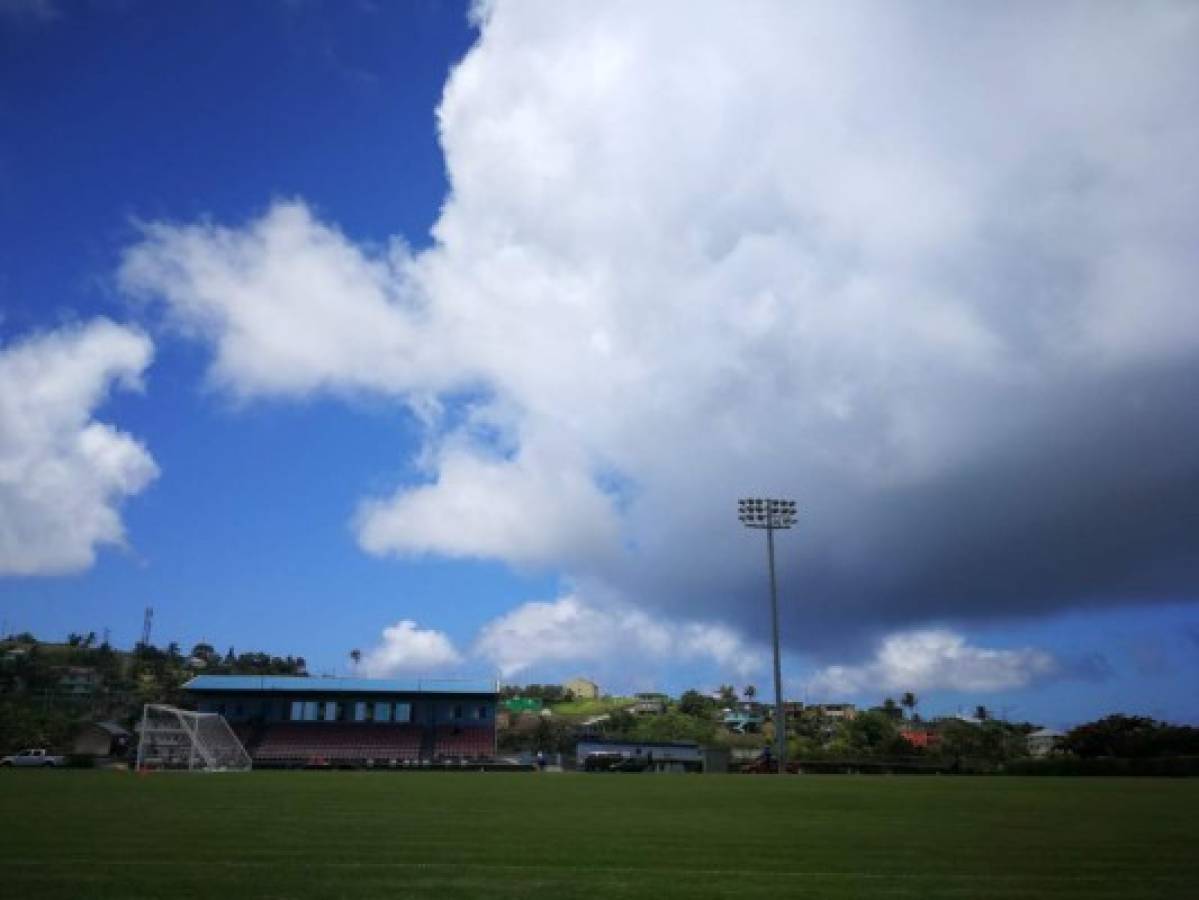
(32, 758)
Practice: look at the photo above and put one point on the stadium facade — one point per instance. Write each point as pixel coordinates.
(293, 721)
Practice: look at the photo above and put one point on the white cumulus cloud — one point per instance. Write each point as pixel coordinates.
(928, 268)
(406, 648)
(936, 659)
(570, 633)
(63, 474)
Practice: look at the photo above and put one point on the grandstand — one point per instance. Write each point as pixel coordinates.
(293, 722)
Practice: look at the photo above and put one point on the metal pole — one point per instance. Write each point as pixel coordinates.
(141, 740)
(780, 718)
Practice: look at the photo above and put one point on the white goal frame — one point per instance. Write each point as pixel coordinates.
(173, 738)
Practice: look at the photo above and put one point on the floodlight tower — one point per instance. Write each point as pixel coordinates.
(771, 515)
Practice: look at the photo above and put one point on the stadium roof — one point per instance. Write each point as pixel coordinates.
(294, 685)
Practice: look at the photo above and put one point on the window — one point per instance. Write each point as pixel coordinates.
(382, 712)
(330, 710)
(360, 711)
(310, 710)
(482, 712)
(457, 712)
(297, 711)
(403, 712)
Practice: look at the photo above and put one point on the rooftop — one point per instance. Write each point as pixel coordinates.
(288, 684)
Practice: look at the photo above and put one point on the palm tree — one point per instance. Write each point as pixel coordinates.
(750, 692)
(981, 713)
(908, 701)
(356, 658)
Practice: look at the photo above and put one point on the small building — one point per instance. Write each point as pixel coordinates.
(1043, 741)
(518, 705)
(78, 681)
(742, 721)
(101, 739)
(839, 711)
(793, 710)
(919, 738)
(649, 704)
(582, 688)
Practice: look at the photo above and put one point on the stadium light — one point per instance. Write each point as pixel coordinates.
(772, 514)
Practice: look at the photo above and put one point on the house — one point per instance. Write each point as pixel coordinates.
(840, 711)
(1043, 741)
(649, 704)
(78, 681)
(582, 688)
(101, 739)
(742, 721)
(919, 738)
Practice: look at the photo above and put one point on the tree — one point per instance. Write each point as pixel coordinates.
(891, 708)
(728, 694)
(750, 692)
(203, 651)
(355, 658)
(981, 713)
(873, 732)
(1131, 737)
(693, 703)
(908, 701)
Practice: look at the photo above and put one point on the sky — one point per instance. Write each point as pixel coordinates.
(453, 333)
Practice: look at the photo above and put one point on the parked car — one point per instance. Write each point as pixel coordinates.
(32, 757)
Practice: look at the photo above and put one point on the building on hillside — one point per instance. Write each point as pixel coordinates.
(101, 739)
(582, 688)
(519, 705)
(793, 710)
(840, 711)
(920, 738)
(649, 704)
(78, 681)
(1043, 741)
(742, 721)
(292, 720)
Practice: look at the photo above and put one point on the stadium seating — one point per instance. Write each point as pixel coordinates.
(464, 742)
(342, 743)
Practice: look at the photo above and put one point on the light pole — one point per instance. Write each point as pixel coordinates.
(772, 514)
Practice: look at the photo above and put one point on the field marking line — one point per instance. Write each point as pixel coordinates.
(630, 870)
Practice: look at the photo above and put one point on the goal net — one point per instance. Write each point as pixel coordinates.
(173, 738)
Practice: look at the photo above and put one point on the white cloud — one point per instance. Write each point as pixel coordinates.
(570, 633)
(525, 510)
(406, 648)
(936, 660)
(929, 269)
(62, 473)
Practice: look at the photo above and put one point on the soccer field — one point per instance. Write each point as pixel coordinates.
(76, 834)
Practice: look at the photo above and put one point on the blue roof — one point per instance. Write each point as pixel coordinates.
(294, 685)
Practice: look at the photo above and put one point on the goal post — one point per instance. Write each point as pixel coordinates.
(173, 738)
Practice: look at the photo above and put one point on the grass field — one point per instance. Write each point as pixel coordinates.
(596, 707)
(77, 834)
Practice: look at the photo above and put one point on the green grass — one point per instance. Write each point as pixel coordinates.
(595, 707)
(365, 835)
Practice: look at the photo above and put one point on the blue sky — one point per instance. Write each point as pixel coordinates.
(468, 372)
